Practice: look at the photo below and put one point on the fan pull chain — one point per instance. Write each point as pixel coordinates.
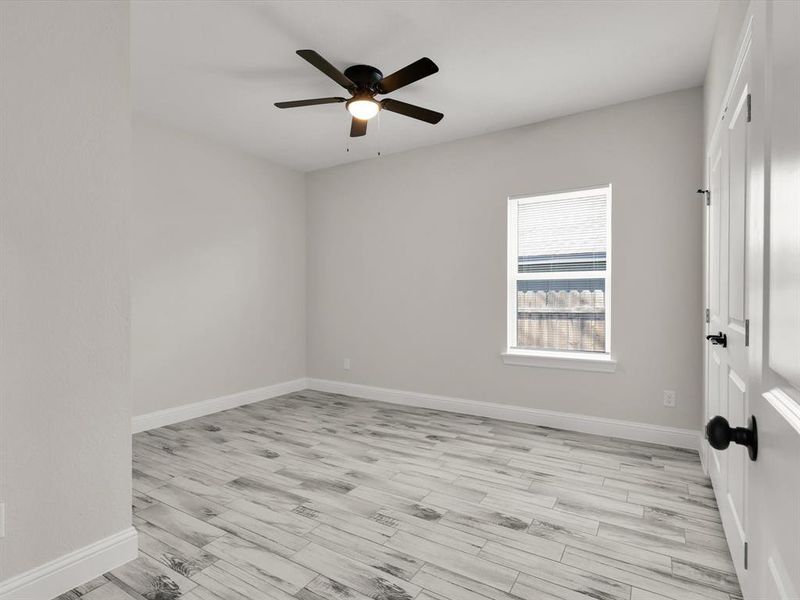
(379, 133)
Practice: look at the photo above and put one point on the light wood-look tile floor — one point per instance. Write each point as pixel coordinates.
(315, 496)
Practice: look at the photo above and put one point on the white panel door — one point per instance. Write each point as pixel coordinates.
(727, 370)
(754, 279)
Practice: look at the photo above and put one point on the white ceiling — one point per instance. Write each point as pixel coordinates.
(215, 68)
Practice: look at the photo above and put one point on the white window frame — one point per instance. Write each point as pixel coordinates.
(558, 359)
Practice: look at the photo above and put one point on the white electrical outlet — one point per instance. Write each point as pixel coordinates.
(2, 520)
(670, 398)
(346, 365)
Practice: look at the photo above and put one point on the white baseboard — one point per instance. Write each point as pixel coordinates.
(629, 430)
(168, 416)
(73, 569)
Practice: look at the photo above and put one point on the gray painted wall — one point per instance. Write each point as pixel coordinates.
(390, 239)
(218, 270)
(65, 445)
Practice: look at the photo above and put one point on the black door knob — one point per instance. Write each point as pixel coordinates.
(719, 434)
(718, 339)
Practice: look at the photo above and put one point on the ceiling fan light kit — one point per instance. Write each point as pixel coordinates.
(363, 108)
(364, 83)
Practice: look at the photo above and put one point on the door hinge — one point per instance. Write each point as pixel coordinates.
(749, 109)
(747, 332)
(708, 315)
(707, 194)
(745, 555)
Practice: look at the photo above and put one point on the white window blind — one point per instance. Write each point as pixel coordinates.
(559, 271)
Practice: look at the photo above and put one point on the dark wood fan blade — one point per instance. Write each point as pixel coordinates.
(358, 127)
(411, 110)
(413, 72)
(312, 102)
(327, 68)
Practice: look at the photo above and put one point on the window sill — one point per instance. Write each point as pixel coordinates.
(577, 361)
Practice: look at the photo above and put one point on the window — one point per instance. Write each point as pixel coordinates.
(558, 278)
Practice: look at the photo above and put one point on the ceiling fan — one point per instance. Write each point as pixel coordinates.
(364, 82)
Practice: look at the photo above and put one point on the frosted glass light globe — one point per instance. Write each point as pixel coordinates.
(363, 109)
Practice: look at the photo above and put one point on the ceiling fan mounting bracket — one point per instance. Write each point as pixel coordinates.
(365, 77)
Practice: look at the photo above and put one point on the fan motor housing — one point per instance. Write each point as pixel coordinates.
(364, 76)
